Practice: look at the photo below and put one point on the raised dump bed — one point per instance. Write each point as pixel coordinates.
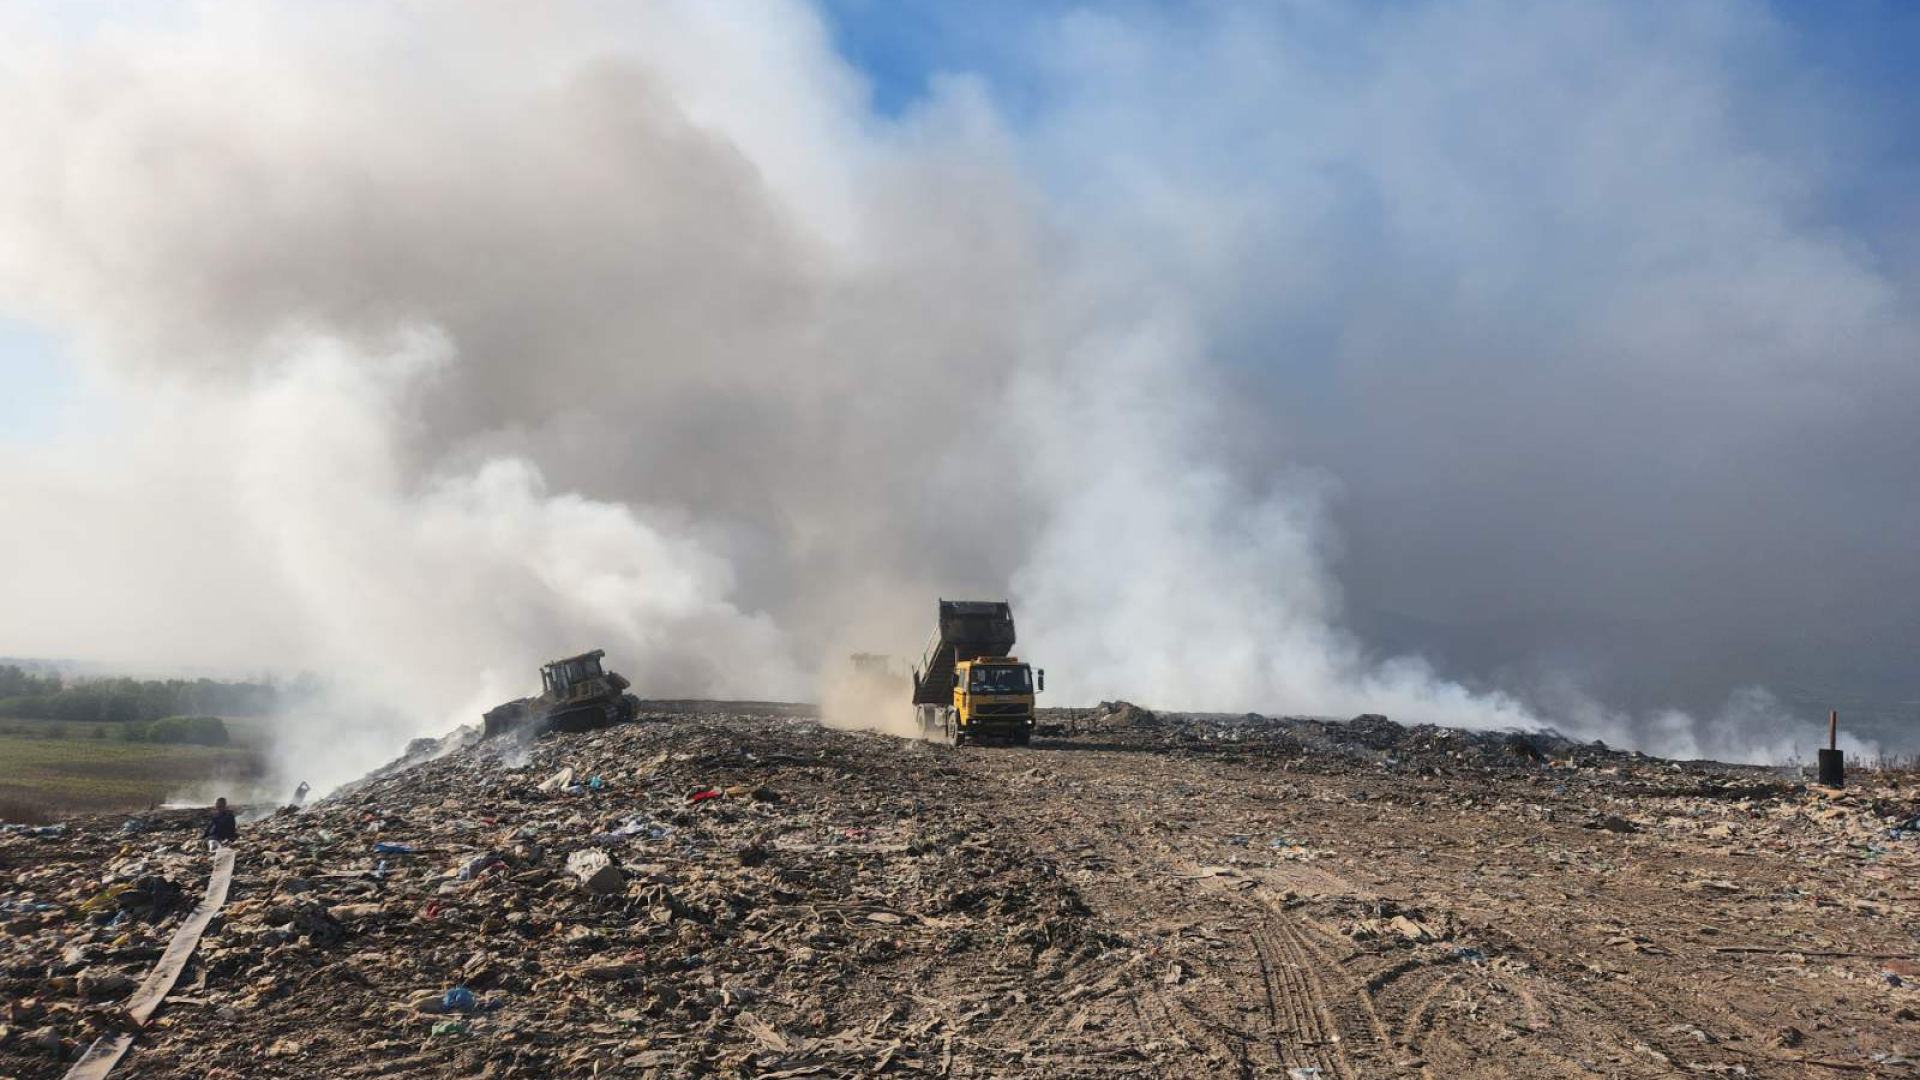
(967, 630)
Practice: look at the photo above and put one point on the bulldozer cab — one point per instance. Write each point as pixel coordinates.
(561, 675)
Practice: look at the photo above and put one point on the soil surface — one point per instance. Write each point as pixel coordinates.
(1131, 896)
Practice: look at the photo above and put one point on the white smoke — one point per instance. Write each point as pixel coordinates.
(427, 342)
(1750, 727)
(1161, 577)
(414, 594)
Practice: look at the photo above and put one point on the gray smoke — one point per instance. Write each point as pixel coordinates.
(427, 341)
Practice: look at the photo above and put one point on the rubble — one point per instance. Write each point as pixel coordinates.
(551, 929)
(596, 871)
(746, 894)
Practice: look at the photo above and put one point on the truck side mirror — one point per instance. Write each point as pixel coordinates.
(956, 680)
(1043, 680)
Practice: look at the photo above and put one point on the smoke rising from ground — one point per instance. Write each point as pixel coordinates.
(426, 342)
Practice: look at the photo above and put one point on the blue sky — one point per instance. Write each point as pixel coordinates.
(898, 45)
(1868, 45)
(37, 376)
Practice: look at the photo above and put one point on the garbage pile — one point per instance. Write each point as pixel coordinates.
(1124, 714)
(647, 900)
(740, 892)
(1370, 739)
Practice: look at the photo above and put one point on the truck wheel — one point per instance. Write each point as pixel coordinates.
(955, 736)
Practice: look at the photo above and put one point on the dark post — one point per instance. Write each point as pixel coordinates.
(1833, 765)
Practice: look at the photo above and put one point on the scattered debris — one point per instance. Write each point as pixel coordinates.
(743, 893)
(596, 871)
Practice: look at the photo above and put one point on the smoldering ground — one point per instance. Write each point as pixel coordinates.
(423, 343)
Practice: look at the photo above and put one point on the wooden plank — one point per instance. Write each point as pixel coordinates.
(167, 972)
(101, 1057)
(107, 1050)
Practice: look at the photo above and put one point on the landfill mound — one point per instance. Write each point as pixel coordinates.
(738, 892)
(1369, 738)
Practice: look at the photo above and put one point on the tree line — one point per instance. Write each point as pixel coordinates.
(27, 696)
(197, 730)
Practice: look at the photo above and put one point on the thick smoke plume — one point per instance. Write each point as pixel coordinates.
(425, 342)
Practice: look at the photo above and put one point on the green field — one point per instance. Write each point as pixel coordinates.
(243, 731)
(81, 772)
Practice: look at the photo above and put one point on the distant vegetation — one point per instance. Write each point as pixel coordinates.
(73, 744)
(41, 776)
(198, 730)
(27, 696)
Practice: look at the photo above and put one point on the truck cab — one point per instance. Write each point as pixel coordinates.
(993, 698)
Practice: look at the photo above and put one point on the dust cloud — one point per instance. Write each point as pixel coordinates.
(868, 701)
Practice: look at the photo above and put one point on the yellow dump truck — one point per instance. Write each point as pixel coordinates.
(969, 687)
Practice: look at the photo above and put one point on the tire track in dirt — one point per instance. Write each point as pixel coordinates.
(1317, 941)
(1318, 1035)
(1415, 1030)
(1271, 995)
(1318, 1010)
(1183, 1016)
(1529, 981)
(1633, 1015)
(1635, 904)
(1147, 872)
(1314, 1012)
(1131, 878)
(1344, 1015)
(1640, 1022)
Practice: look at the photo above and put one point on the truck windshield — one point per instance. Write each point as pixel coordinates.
(1002, 680)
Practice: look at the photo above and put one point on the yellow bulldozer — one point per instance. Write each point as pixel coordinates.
(576, 693)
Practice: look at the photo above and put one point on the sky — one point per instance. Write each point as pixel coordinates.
(39, 376)
(1485, 362)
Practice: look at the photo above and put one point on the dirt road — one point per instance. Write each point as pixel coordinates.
(1138, 900)
(1497, 936)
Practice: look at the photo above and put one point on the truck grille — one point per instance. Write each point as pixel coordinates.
(1016, 708)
